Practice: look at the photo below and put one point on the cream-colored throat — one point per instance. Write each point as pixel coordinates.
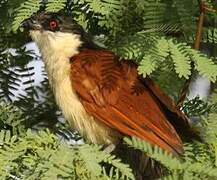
(56, 50)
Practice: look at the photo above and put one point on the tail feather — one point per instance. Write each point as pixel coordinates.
(144, 168)
(175, 116)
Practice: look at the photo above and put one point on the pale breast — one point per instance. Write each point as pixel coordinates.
(56, 49)
(72, 108)
(76, 115)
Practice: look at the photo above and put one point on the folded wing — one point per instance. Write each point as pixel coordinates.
(114, 93)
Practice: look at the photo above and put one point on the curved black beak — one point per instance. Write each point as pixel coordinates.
(31, 24)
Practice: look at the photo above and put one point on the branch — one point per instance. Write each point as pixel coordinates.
(203, 10)
(197, 41)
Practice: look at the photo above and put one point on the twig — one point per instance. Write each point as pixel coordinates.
(197, 41)
(200, 26)
(203, 10)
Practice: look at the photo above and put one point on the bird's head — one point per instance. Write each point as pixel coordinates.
(57, 32)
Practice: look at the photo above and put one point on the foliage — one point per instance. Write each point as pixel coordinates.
(11, 119)
(165, 26)
(196, 107)
(55, 6)
(200, 158)
(196, 163)
(25, 10)
(33, 155)
(156, 34)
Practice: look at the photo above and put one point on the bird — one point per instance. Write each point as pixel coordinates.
(101, 94)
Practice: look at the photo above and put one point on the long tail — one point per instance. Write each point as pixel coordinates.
(175, 116)
(144, 168)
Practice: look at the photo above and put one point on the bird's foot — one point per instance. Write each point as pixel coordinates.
(108, 149)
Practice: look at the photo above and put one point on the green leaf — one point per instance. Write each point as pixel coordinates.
(25, 10)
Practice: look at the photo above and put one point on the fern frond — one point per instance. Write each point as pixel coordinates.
(122, 170)
(134, 47)
(42, 156)
(164, 28)
(11, 118)
(25, 10)
(154, 152)
(196, 107)
(147, 65)
(154, 58)
(181, 168)
(104, 7)
(154, 14)
(109, 10)
(210, 35)
(180, 58)
(55, 5)
(186, 11)
(205, 66)
(205, 170)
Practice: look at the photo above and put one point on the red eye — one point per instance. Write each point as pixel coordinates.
(53, 24)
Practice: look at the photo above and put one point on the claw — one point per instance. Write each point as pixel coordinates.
(108, 149)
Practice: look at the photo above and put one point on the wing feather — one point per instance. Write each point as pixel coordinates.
(113, 93)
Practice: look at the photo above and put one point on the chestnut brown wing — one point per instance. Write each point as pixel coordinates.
(112, 92)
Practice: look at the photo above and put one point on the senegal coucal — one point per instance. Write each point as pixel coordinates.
(100, 94)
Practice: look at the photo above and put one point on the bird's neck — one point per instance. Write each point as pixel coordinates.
(56, 53)
(57, 48)
(65, 45)
(56, 43)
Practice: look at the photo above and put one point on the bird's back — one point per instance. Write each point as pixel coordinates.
(112, 91)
